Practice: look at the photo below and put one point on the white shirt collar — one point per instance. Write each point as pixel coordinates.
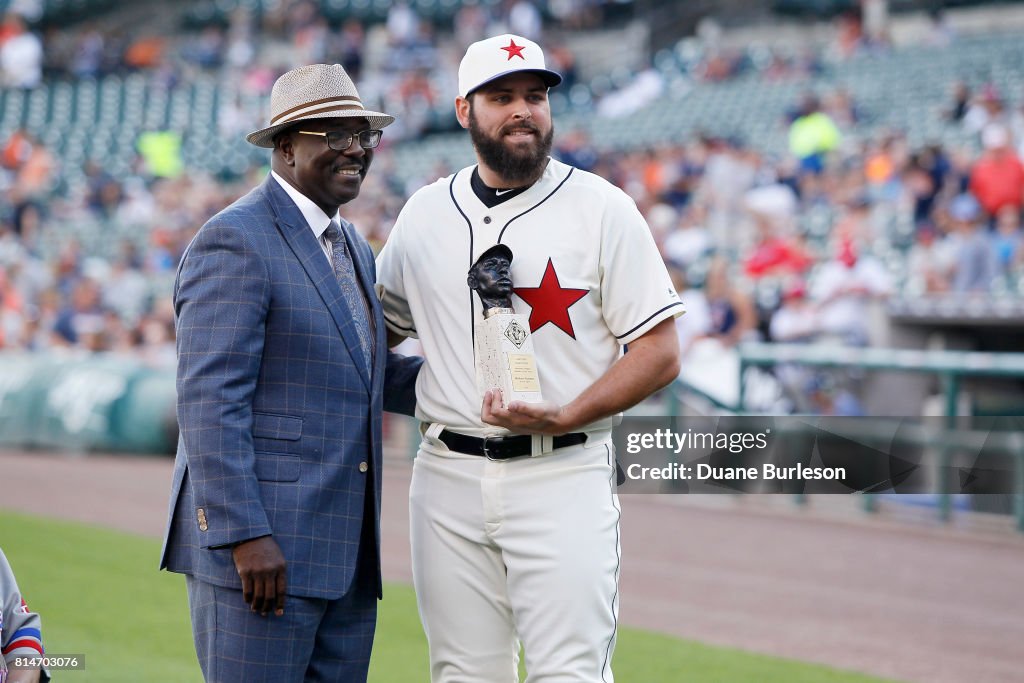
(314, 215)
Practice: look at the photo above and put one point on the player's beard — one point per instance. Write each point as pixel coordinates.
(518, 166)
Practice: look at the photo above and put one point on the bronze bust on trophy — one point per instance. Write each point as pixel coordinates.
(504, 345)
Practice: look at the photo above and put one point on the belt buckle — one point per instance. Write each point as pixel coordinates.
(483, 445)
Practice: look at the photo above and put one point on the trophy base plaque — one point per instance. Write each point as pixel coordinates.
(505, 358)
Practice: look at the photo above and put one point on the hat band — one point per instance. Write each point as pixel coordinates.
(332, 104)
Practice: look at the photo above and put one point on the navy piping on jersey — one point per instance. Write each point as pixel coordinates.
(648, 319)
(567, 176)
(469, 224)
(618, 564)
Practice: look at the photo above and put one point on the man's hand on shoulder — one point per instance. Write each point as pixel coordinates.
(525, 418)
(261, 566)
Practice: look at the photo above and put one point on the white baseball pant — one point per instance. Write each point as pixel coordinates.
(524, 550)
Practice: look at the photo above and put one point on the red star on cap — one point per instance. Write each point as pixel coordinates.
(514, 50)
(550, 302)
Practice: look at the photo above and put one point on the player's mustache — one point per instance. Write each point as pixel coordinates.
(519, 127)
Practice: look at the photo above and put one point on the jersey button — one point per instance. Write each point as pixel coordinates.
(487, 219)
(363, 467)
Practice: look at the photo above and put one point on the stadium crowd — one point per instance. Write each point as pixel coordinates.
(800, 247)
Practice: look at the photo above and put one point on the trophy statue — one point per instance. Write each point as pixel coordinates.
(504, 346)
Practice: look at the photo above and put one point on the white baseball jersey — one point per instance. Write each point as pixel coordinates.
(585, 269)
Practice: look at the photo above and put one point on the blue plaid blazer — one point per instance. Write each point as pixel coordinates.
(279, 415)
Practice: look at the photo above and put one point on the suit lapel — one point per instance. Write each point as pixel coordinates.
(300, 238)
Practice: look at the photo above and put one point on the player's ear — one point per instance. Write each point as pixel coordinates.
(462, 111)
(471, 280)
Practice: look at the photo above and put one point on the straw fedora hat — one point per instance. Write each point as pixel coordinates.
(317, 91)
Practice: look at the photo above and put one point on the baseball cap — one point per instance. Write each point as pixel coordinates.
(490, 59)
(497, 250)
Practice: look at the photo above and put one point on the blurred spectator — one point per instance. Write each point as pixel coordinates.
(826, 395)
(312, 40)
(31, 10)
(812, 135)
(840, 107)
(796, 320)
(125, 290)
(83, 322)
(1008, 241)
(662, 220)
(402, 24)
(974, 266)
(961, 102)
(562, 60)
(875, 16)
(985, 109)
(854, 221)
(161, 151)
(844, 290)
(729, 173)
(471, 22)
(16, 151)
(239, 50)
(21, 54)
(206, 50)
(733, 316)
(940, 33)
(524, 19)
(147, 52)
(575, 148)
(776, 249)
(883, 165)
(997, 179)
(12, 314)
(690, 240)
(349, 47)
(88, 56)
(156, 332)
(930, 263)
(36, 175)
(924, 177)
(849, 34)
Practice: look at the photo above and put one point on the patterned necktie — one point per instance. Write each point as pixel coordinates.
(345, 272)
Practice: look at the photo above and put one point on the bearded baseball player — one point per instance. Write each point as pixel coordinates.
(514, 518)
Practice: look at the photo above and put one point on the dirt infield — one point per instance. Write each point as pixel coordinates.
(910, 603)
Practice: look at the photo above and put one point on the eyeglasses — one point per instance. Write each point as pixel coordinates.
(340, 141)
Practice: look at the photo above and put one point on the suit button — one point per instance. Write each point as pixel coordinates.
(363, 467)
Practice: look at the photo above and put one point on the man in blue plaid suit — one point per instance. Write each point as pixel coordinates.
(282, 375)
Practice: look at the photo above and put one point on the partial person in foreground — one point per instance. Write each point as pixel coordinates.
(514, 517)
(21, 635)
(282, 375)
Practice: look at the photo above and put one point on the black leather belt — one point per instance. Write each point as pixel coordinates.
(503, 447)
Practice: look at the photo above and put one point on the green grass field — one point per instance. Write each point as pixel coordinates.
(100, 595)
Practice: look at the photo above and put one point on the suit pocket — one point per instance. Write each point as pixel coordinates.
(274, 426)
(277, 467)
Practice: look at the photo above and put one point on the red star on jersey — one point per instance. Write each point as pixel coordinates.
(514, 50)
(550, 302)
